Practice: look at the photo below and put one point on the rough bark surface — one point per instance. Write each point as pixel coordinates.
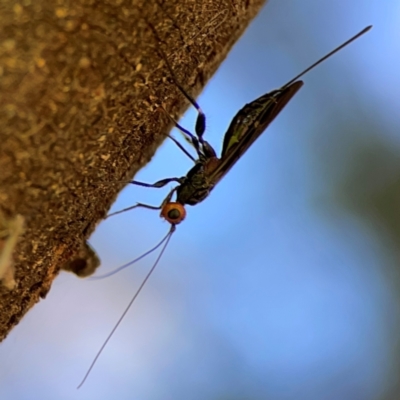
(81, 84)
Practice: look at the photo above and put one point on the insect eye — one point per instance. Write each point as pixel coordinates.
(173, 212)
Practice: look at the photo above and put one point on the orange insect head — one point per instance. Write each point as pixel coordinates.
(173, 212)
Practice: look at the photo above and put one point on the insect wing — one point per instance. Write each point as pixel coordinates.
(249, 123)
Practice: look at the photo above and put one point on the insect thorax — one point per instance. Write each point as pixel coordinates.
(196, 186)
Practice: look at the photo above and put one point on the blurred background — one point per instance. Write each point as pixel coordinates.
(285, 283)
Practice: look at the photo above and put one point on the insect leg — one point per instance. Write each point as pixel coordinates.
(200, 126)
(134, 206)
(202, 147)
(189, 137)
(159, 184)
(142, 205)
(205, 149)
(182, 148)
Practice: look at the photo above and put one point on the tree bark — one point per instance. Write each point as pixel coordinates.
(81, 85)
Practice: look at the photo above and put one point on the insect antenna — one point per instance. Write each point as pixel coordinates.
(365, 30)
(167, 239)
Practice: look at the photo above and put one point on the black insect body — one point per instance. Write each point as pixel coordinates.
(247, 125)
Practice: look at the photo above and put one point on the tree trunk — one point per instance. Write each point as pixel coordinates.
(81, 85)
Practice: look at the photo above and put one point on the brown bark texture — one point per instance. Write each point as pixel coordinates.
(81, 87)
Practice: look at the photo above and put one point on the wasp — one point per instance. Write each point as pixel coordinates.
(208, 169)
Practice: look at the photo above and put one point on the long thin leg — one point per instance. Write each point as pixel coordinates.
(201, 118)
(159, 184)
(206, 150)
(165, 201)
(135, 206)
(188, 136)
(182, 148)
(200, 126)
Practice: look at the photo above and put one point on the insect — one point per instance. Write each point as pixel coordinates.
(247, 125)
